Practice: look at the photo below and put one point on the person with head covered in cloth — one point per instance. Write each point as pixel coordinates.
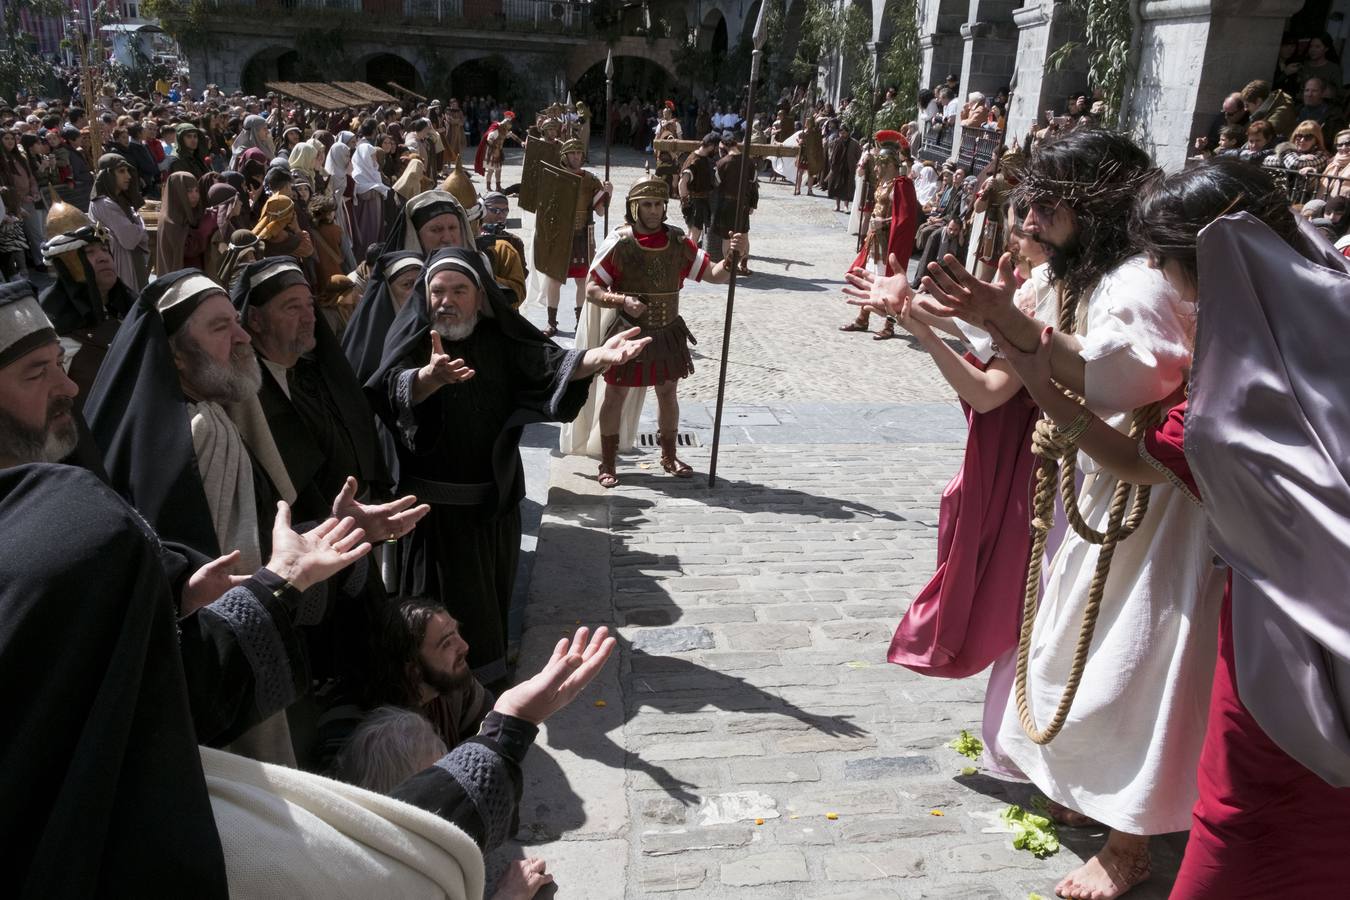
(635, 280)
(462, 374)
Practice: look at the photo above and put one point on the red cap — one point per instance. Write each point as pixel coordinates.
(670, 104)
(508, 115)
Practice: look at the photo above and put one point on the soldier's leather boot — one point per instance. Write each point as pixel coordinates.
(552, 328)
(609, 461)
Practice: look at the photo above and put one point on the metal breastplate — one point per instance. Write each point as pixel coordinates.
(585, 197)
(653, 276)
(881, 208)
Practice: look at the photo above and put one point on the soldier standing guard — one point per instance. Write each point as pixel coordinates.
(488, 161)
(894, 222)
(636, 280)
(592, 197)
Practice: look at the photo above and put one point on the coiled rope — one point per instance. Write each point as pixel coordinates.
(1057, 449)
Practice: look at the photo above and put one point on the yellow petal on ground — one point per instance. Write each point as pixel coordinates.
(759, 821)
(936, 812)
(601, 704)
(832, 816)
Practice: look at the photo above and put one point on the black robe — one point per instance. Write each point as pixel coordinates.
(104, 793)
(459, 451)
(77, 309)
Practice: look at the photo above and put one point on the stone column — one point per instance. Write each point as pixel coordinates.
(940, 31)
(1043, 26)
(989, 54)
(1193, 53)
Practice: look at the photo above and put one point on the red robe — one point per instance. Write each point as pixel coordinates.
(479, 156)
(905, 215)
(1264, 825)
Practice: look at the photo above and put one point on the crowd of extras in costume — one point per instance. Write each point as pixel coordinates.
(263, 421)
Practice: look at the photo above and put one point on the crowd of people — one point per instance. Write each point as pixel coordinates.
(265, 427)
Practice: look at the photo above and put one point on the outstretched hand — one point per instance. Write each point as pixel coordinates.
(574, 664)
(381, 521)
(959, 294)
(1032, 368)
(885, 295)
(441, 369)
(306, 559)
(209, 583)
(621, 348)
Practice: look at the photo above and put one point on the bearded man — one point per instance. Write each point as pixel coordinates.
(635, 280)
(175, 409)
(462, 374)
(437, 219)
(592, 197)
(1123, 343)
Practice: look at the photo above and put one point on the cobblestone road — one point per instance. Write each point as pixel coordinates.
(750, 740)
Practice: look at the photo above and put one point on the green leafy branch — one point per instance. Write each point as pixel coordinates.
(1107, 37)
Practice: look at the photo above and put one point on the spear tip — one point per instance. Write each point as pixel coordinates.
(609, 64)
(761, 26)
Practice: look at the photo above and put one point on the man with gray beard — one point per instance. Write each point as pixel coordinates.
(175, 410)
(37, 399)
(463, 372)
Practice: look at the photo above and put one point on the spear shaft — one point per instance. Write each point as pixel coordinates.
(609, 122)
(759, 35)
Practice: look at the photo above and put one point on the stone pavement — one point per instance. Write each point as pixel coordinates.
(749, 739)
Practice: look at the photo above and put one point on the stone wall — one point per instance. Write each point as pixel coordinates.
(1043, 26)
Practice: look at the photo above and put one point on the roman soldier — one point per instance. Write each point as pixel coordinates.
(812, 161)
(583, 128)
(894, 222)
(592, 197)
(488, 160)
(87, 301)
(454, 131)
(635, 280)
(733, 170)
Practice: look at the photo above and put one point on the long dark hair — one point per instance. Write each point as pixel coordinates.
(1097, 173)
(1166, 220)
(398, 643)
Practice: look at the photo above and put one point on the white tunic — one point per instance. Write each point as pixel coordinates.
(1128, 752)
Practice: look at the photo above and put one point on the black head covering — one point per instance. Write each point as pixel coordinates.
(418, 211)
(71, 302)
(138, 416)
(103, 792)
(256, 288)
(363, 341)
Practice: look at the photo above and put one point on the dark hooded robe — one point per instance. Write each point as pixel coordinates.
(105, 793)
(459, 451)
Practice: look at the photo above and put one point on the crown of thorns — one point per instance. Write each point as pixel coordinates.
(1113, 185)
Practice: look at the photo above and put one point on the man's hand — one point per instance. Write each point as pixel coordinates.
(306, 559)
(209, 583)
(1032, 368)
(961, 295)
(441, 370)
(382, 521)
(620, 349)
(574, 664)
(633, 307)
(608, 188)
(739, 245)
(882, 294)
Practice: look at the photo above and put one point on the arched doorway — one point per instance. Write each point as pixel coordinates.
(712, 32)
(386, 67)
(635, 78)
(487, 76)
(272, 64)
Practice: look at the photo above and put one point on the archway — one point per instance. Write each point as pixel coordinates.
(270, 64)
(634, 77)
(487, 76)
(712, 32)
(386, 67)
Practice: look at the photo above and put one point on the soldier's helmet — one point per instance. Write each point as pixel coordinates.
(649, 187)
(572, 145)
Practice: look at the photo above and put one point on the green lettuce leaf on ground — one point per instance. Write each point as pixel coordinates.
(967, 745)
(1033, 833)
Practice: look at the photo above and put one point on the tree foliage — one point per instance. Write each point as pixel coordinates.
(21, 68)
(898, 69)
(1107, 37)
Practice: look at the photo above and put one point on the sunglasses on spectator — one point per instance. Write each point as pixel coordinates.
(1340, 144)
(1302, 137)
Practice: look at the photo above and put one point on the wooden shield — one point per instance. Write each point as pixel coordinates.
(555, 220)
(538, 153)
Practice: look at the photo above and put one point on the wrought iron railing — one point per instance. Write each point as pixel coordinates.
(977, 148)
(937, 142)
(535, 15)
(1301, 188)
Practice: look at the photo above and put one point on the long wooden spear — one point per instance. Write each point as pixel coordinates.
(609, 123)
(761, 32)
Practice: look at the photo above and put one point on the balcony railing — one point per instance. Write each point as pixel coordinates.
(524, 15)
(937, 142)
(977, 148)
(1302, 188)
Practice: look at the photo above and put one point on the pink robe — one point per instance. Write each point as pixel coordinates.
(984, 541)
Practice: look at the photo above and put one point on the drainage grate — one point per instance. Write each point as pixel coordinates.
(682, 439)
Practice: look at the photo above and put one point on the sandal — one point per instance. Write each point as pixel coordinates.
(885, 334)
(609, 452)
(856, 325)
(671, 463)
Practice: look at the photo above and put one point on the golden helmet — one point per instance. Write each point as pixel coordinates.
(572, 145)
(62, 218)
(460, 186)
(649, 187)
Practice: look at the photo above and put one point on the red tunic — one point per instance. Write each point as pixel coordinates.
(1264, 826)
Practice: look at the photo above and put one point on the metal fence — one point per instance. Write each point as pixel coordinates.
(937, 142)
(1302, 188)
(552, 15)
(977, 148)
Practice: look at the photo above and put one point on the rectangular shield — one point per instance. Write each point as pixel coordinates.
(555, 219)
(538, 153)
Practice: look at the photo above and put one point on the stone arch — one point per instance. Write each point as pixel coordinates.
(380, 68)
(273, 62)
(714, 34)
(489, 73)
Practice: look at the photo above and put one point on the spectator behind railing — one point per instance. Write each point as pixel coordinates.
(1338, 169)
(1304, 152)
(1265, 104)
(1260, 142)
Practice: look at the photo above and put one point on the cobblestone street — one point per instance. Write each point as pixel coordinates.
(750, 739)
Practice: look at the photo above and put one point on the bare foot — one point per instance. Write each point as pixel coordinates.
(1121, 864)
(522, 879)
(1062, 815)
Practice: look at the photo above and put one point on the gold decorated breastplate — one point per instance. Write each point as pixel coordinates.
(653, 276)
(881, 209)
